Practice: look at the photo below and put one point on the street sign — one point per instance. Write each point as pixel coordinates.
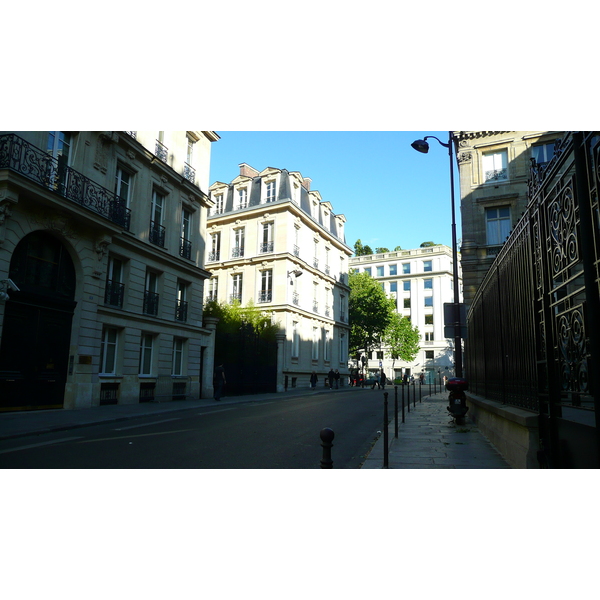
(449, 319)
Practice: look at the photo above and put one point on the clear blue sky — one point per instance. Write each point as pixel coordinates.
(390, 194)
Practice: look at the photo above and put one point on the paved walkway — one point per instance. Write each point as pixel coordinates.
(429, 439)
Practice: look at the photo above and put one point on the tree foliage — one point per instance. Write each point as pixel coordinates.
(360, 250)
(233, 317)
(370, 312)
(381, 250)
(428, 244)
(397, 248)
(402, 338)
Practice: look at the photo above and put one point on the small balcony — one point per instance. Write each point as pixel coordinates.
(237, 252)
(114, 293)
(181, 311)
(296, 250)
(496, 175)
(296, 298)
(266, 247)
(327, 311)
(157, 234)
(161, 151)
(185, 249)
(315, 262)
(266, 296)
(150, 303)
(315, 306)
(189, 173)
(214, 256)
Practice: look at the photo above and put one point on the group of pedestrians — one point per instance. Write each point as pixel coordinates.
(333, 378)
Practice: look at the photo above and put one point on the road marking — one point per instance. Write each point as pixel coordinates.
(69, 439)
(129, 437)
(148, 424)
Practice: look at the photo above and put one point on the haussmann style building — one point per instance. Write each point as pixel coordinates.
(274, 242)
(102, 257)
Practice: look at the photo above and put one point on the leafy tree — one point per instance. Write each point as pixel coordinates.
(401, 338)
(370, 312)
(381, 250)
(428, 244)
(397, 248)
(360, 250)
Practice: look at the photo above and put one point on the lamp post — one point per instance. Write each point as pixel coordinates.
(423, 146)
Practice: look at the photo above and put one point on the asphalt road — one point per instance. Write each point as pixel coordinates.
(270, 434)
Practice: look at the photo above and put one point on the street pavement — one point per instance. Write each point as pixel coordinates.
(428, 439)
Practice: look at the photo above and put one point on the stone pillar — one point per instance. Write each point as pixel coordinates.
(280, 337)
(208, 365)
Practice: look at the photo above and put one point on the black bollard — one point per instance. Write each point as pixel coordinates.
(385, 430)
(396, 411)
(408, 399)
(327, 436)
(414, 396)
(403, 404)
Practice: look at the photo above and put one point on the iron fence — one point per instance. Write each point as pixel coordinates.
(534, 324)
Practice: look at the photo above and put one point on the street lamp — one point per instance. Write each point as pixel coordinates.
(423, 147)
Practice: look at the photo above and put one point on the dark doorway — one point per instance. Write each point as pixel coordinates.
(34, 350)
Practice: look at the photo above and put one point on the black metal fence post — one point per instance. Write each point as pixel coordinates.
(327, 436)
(385, 431)
(403, 404)
(407, 397)
(396, 411)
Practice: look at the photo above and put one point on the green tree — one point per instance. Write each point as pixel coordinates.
(370, 312)
(381, 250)
(428, 244)
(360, 250)
(401, 338)
(397, 248)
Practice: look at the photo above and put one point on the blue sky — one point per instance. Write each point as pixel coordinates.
(390, 194)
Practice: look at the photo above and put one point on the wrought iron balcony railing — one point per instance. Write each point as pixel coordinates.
(315, 306)
(265, 296)
(214, 256)
(114, 293)
(296, 250)
(181, 311)
(157, 234)
(316, 263)
(266, 247)
(27, 160)
(327, 311)
(237, 252)
(496, 175)
(327, 270)
(151, 303)
(189, 173)
(161, 151)
(296, 298)
(185, 249)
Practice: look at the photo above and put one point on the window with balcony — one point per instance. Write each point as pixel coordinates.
(495, 166)
(157, 231)
(188, 171)
(266, 286)
(181, 307)
(213, 289)
(214, 253)
(237, 281)
(219, 205)
(266, 243)
(498, 224)
(151, 294)
(185, 247)
(115, 288)
(270, 191)
(160, 149)
(123, 181)
(59, 147)
(238, 242)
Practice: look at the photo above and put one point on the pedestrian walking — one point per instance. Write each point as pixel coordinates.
(218, 382)
(376, 382)
(331, 377)
(337, 379)
(383, 379)
(421, 378)
(313, 380)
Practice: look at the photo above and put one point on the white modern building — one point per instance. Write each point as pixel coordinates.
(421, 281)
(274, 242)
(102, 234)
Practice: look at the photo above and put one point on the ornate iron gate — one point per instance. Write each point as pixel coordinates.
(534, 325)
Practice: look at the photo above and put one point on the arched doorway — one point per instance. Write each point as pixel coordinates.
(34, 350)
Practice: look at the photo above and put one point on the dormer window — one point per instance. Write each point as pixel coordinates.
(218, 208)
(242, 198)
(271, 189)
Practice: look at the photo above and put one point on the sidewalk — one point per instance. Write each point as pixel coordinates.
(429, 439)
(21, 423)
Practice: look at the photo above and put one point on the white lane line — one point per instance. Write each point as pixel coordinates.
(130, 437)
(147, 424)
(69, 439)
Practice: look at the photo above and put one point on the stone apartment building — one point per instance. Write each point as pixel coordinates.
(494, 167)
(274, 242)
(421, 281)
(102, 234)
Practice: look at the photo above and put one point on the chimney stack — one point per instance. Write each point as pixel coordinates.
(248, 171)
